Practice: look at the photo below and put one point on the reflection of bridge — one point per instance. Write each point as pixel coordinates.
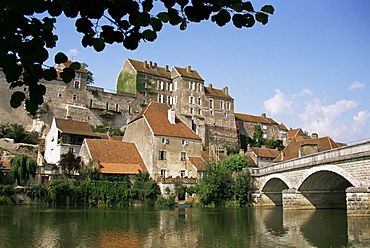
(337, 178)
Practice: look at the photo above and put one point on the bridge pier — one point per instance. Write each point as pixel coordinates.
(266, 199)
(358, 201)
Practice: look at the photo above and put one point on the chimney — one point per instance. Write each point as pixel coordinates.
(145, 64)
(264, 115)
(226, 90)
(171, 116)
(210, 86)
(167, 68)
(315, 135)
(188, 68)
(155, 65)
(150, 64)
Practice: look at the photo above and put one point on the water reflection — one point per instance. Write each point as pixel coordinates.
(31, 226)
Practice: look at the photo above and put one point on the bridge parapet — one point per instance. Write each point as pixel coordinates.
(341, 153)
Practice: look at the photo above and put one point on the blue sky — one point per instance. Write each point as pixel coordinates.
(309, 67)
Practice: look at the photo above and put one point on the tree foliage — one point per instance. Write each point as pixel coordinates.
(70, 162)
(145, 188)
(22, 167)
(259, 141)
(27, 31)
(18, 134)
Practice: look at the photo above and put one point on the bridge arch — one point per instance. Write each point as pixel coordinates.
(328, 168)
(274, 179)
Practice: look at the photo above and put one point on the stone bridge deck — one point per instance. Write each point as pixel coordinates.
(331, 179)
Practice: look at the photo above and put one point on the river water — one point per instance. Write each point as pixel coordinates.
(39, 226)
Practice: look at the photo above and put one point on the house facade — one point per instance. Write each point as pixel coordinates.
(207, 111)
(66, 135)
(271, 129)
(164, 142)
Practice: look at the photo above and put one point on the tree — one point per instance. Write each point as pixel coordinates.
(90, 75)
(70, 162)
(27, 31)
(22, 167)
(144, 188)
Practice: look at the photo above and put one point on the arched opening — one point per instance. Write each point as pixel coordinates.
(273, 191)
(325, 189)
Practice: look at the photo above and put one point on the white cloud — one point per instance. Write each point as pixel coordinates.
(304, 92)
(278, 104)
(328, 120)
(73, 52)
(356, 85)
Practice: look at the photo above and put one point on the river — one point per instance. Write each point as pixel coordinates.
(39, 226)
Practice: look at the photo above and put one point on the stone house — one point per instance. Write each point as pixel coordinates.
(66, 135)
(112, 157)
(271, 129)
(301, 146)
(207, 111)
(164, 142)
(261, 156)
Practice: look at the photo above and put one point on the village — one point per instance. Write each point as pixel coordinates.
(170, 120)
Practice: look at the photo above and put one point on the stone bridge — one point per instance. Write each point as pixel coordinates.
(337, 178)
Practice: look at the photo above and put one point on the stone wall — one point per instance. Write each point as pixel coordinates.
(358, 201)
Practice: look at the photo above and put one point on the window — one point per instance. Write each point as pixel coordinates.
(117, 108)
(184, 142)
(175, 100)
(165, 141)
(60, 95)
(160, 85)
(162, 173)
(77, 75)
(183, 156)
(182, 173)
(192, 85)
(264, 127)
(144, 93)
(169, 100)
(264, 136)
(199, 111)
(129, 109)
(191, 99)
(77, 84)
(169, 87)
(211, 112)
(160, 99)
(191, 111)
(162, 155)
(107, 106)
(91, 103)
(199, 101)
(74, 97)
(211, 103)
(71, 150)
(228, 106)
(221, 104)
(225, 114)
(199, 87)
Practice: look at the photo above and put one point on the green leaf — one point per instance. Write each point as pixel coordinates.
(60, 58)
(49, 74)
(17, 99)
(67, 74)
(163, 17)
(31, 107)
(98, 44)
(131, 42)
(268, 9)
(149, 35)
(156, 24)
(75, 66)
(248, 6)
(262, 18)
(221, 18)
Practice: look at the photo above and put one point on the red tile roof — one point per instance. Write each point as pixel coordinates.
(190, 74)
(139, 66)
(75, 127)
(216, 92)
(293, 132)
(255, 119)
(292, 149)
(265, 152)
(115, 157)
(283, 127)
(156, 115)
(198, 163)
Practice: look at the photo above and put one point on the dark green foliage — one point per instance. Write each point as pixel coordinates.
(22, 167)
(18, 134)
(69, 162)
(105, 129)
(144, 188)
(141, 86)
(223, 183)
(231, 148)
(90, 75)
(25, 38)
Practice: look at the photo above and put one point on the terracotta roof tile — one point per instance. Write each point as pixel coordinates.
(283, 127)
(265, 152)
(216, 92)
(157, 116)
(190, 74)
(292, 149)
(293, 132)
(255, 119)
(75, 127)
(198, 163)
(115, 156)
(157, 71)
(251, 162)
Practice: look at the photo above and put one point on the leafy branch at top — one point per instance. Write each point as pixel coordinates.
(24, 37)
